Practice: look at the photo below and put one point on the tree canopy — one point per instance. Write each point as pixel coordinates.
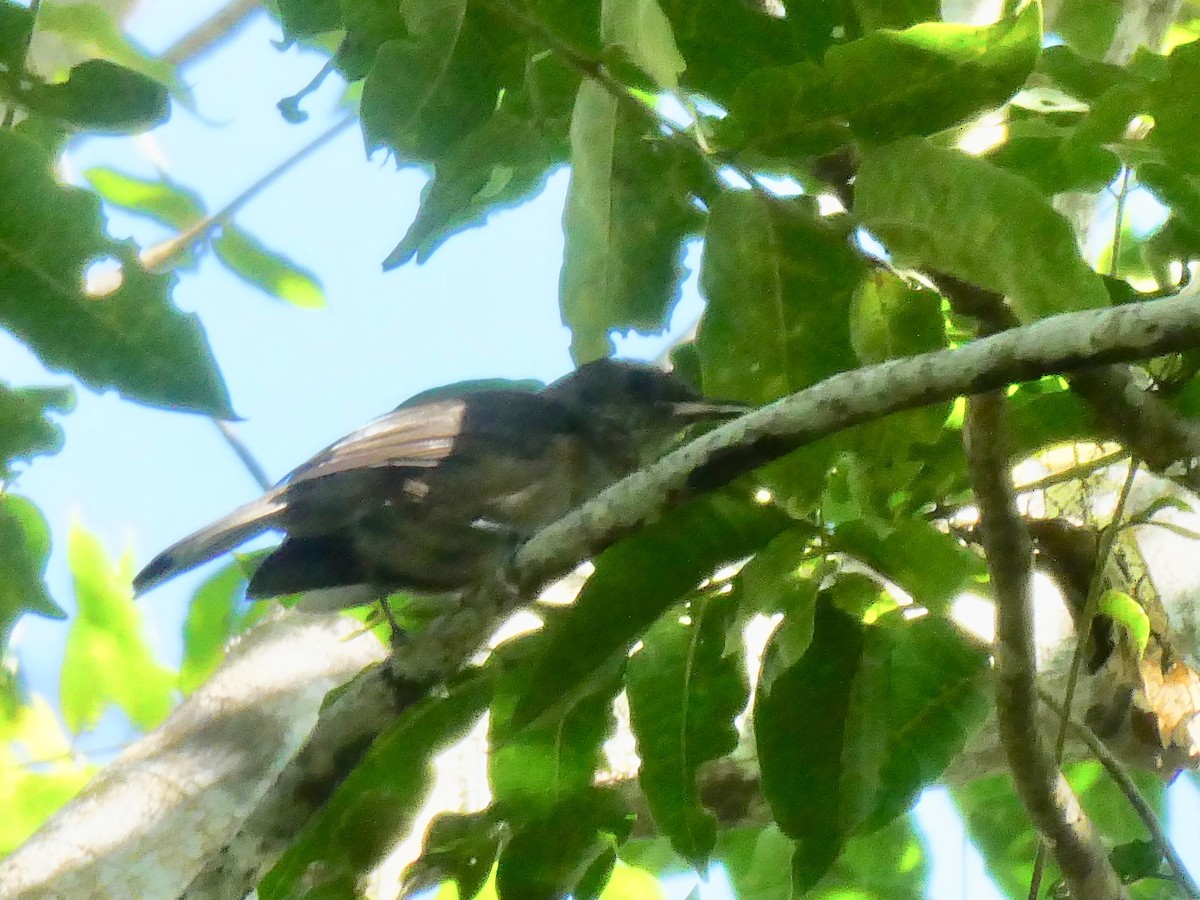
(917, 258)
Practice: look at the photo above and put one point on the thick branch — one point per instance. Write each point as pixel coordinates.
(153, 817)
(1052, 806)
(1057, 344)
(1052, 345)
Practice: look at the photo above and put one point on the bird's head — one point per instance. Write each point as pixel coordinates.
(645, 404)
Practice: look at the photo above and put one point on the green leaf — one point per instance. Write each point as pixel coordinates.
(779, 580)
(107, 658)
(778, 281)
(1089, 25)
(103, 97)
(24, 550)
(886, 865)
(874, 14)
(25, 430)
(909, 192)
(635, 581)
(306, 18)
(439, 81)
(460, 847)
(500, 163)
(642, 32)
(96, 32)
(890, 318)
(926, 78)
(539, 767)
(786, 111)
(722, 41)
(269, 271)
(1127, 613)
(625, 222)
(212, 619)
(380, 799)
(1054, 158)
(132, 339)
(930, 565)
(16, 25)
(871, 715)
(684, 691)
(161, 200)
(570, 852)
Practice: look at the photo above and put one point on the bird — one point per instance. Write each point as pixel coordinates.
(434, 496)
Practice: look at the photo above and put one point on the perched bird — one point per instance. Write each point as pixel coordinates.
(432, 496)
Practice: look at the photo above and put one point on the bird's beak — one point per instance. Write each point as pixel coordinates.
(689, 411)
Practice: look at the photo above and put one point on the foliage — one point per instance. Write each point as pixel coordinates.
(672, 115)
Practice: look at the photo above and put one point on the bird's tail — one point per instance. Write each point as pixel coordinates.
(222, 535)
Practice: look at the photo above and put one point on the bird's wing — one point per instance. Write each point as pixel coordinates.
(416, 437)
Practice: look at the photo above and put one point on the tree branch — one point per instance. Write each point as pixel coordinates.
(1052, 345)
(1051, 804)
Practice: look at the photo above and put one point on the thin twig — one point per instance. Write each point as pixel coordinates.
(1082, 635)
(594, 69)
(208, 34)
(161, 255)
(1119, 774)
(257, 472)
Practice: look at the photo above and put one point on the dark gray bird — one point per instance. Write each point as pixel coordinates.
(431, 496)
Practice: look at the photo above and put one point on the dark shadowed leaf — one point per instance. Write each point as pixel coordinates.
(872, 714)
(101, 96)
(16, 24)
(439, 80)
(108, 659)
(685, 687)
(873, 14)
(627, 215)
(1020, 246)
(25, 430)
(931, 76)
(571, 851)
(132, 338)
(268, 270)
(305, 18)
(458, 847)
(500, 163)
(375, 805)
(722, 41)
(24, 550)
(635, 581)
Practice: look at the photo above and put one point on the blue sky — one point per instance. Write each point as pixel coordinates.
(484, 306)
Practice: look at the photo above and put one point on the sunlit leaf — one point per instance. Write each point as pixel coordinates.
(1019, 245)
(626, 217)
(161, 200)
(108, 659)
(268, 270)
